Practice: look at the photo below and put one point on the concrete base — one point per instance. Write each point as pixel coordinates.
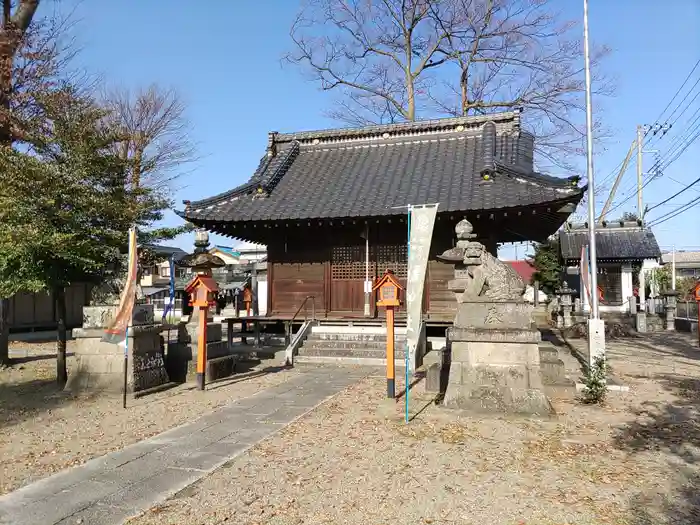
(100, 365)
(496, 370)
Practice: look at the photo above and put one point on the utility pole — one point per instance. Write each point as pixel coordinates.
(641, 133)
(640, 209)
(673, 268)
(596, 326)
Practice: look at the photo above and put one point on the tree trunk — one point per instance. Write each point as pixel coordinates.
(61, 369)
(4, 332)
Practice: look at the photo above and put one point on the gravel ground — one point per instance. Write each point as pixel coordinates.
(633, 461)
(43, 430)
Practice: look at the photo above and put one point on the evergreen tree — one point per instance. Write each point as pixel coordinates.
(66, 206)
(547, 263)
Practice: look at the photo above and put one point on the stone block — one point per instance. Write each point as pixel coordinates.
(481, 314)
(100, 365)
(101, 316)
(641, 322)
(221, 367)
(189, 332)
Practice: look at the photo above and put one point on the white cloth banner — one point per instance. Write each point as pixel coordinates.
(421, 234)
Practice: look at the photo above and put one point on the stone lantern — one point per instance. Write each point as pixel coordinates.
(565, 295)
(202, 263)
(670, 307)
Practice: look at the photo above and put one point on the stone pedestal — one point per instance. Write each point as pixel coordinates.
(670, 307)
(181, 357)
(565, 295)
(496, 370)
(493, 346)
(100, 365)
(641, 322)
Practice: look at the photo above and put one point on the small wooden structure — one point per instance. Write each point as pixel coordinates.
(388, 290)
(330, 206)
(203, 290)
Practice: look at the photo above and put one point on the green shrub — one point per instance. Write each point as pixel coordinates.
(595, 382)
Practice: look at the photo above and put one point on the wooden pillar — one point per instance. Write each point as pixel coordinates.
(202, 348)
(390, 364)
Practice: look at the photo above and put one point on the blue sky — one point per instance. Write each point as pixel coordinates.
(224, 56)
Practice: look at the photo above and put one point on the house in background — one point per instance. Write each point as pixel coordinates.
(155, 279)
(243, 263)
(229, 255)
(687, 263)
(623, 249)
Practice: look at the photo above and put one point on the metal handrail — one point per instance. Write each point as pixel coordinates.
(290, 323)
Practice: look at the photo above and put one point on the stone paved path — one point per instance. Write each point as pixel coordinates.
(110, 489)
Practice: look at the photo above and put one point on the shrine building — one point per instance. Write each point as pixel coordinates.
(331, 206)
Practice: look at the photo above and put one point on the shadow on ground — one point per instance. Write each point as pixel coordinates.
(29, 399)
(673, 429)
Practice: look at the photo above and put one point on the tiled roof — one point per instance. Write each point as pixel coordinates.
(682, 257)
(629, 243)
(525, 269)
(166, 251)
(368, 171)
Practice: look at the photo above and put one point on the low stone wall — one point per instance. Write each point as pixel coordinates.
(181, 355)
(687, 325)
(100, 365)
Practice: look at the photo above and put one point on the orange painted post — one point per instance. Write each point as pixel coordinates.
(202, 348)
(390, 364)
(388, 288)
(203, 291)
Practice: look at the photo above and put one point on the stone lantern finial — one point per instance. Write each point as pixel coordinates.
(464, 230)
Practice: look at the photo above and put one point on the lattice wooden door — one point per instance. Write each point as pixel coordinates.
(347, 278)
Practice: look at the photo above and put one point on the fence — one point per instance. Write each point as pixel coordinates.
(687, 310)
(655, 305)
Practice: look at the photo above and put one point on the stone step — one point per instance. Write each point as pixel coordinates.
(350, 345)
(399, 355)
(308, 360)
(359, 330)
(553, 371)
(354, 337)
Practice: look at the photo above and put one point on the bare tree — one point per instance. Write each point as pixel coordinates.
(378, 53)
(15, 25)
(400, 59)
(156, 134)
(521, 53)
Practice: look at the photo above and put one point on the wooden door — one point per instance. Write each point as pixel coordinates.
(392, 257)
(347, 295)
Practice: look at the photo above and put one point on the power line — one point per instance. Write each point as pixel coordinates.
(678, 211)
(647, 142)
(679, 89)
(675, 194)
(683, 143)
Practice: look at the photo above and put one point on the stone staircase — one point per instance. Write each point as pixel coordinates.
(355, 344)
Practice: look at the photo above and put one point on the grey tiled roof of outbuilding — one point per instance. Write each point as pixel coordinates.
(614, 243)
(368, 171)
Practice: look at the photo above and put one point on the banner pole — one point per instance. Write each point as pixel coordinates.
(126, 365)
(406, 356)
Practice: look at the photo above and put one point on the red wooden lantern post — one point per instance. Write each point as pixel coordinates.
(203, 291)
(389, 288)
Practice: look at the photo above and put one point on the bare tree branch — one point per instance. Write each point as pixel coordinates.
(156, 135)
(393, 60)
(375, 53)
